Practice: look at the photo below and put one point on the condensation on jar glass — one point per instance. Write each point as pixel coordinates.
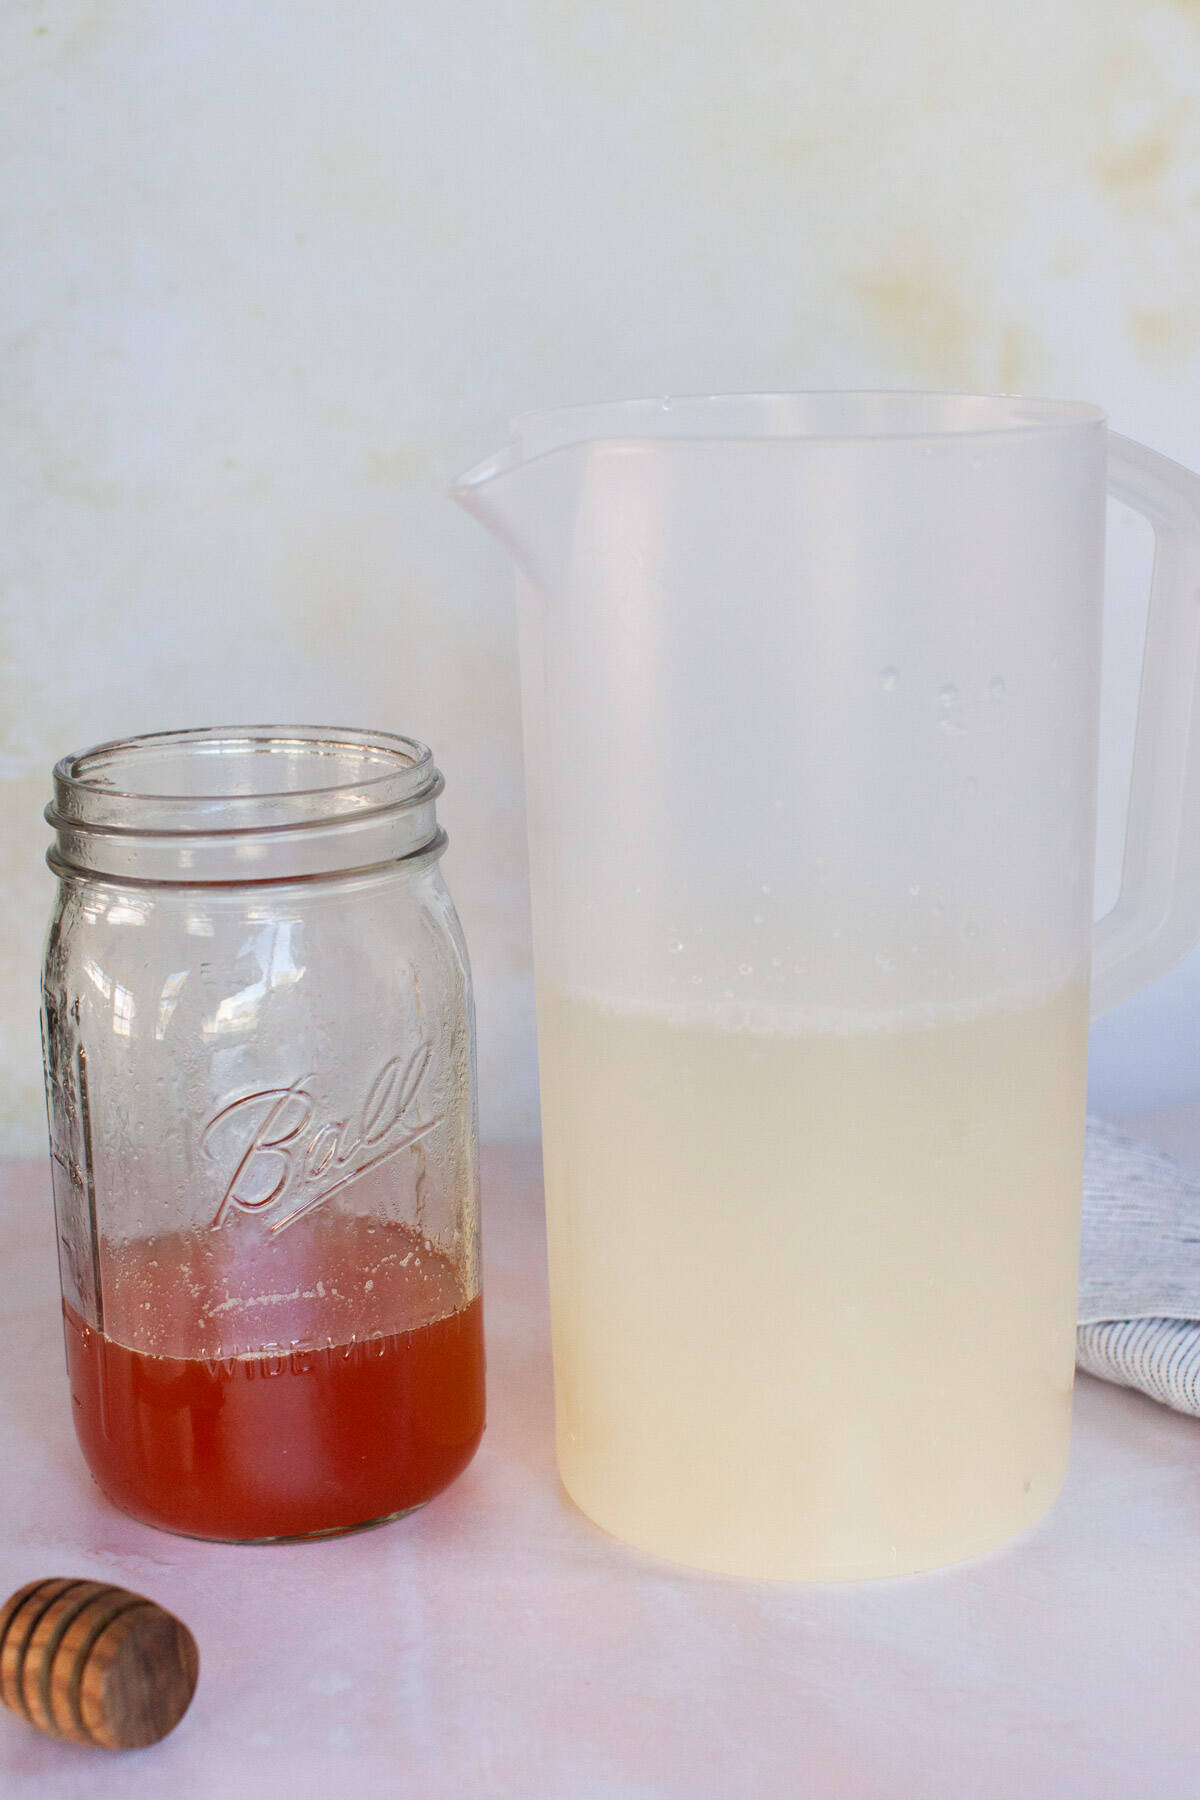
(259, 1048)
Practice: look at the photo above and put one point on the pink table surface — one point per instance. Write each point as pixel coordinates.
(497, 1644)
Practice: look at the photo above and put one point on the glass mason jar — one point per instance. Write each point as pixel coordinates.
(259, 1053)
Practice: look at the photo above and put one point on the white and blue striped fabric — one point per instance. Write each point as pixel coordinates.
(1139, 1273)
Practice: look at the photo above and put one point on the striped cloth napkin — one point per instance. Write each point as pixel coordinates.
(1139, 1274)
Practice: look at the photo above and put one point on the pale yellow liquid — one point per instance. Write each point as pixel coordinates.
(813, 1294)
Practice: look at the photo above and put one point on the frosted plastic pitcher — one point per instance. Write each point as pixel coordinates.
(811, 713)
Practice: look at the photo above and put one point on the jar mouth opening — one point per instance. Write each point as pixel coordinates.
(244, 803)
(244, 777)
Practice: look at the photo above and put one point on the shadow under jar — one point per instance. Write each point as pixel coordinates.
(259, 1049)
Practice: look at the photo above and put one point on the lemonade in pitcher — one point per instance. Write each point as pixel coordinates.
(812, 1291)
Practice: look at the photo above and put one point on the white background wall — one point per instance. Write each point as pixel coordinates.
(275, 272)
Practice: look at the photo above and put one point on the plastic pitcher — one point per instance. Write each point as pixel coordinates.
(810, 693)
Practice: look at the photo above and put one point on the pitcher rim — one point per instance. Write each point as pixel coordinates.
(536, 435)
(1043, 413)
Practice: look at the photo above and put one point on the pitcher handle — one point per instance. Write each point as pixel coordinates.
(1156, 919)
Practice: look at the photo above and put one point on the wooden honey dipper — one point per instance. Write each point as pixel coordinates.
(95, 1664)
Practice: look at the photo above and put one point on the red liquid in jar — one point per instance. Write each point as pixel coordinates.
(366, 1401)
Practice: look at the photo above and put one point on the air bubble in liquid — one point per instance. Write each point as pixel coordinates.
(889, 678)
(996, 687)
